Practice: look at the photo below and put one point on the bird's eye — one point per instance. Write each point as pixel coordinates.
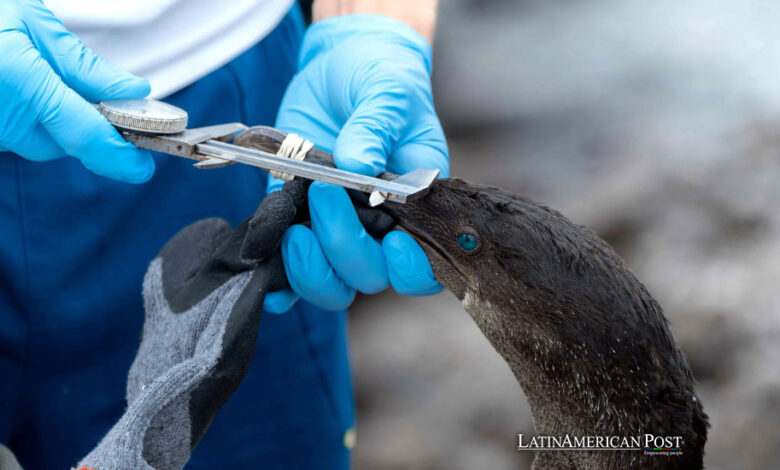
(468, 241)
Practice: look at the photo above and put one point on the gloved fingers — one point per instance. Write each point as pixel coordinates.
(376, 221)
(38, 146)
(95, 142)
(280, 301)
(296, 117)
(75, 125)
(373, 129)
(409, 269)
(209, 252)
(424, 149)
(85, 72)
(272, 218)
(354, 255)
(187, 251)
(23, 134)
(298, 190)
(309, 273)
(83, 133)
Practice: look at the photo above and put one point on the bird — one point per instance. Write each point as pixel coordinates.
(586, 341)
(584, 338)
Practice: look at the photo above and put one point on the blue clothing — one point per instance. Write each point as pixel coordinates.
(75, 248)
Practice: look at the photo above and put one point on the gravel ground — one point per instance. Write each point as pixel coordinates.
(654, 123)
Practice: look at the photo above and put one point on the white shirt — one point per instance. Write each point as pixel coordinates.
(170, 42)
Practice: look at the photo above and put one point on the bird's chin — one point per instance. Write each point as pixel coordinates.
(445, 273)
(444, 269)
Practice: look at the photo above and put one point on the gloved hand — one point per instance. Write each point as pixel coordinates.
(203, 296)
(47, 77)
(363, 93)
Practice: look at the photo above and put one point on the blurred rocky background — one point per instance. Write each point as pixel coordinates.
(657, 124)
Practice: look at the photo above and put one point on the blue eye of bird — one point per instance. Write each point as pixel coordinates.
(468, 241)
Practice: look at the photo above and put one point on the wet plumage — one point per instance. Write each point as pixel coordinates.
(586, 341)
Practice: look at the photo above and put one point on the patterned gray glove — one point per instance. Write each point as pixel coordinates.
(203, 297)
(8, 460)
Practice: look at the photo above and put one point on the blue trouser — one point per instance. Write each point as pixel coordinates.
(74, 250)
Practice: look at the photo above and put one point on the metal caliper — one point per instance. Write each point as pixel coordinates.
(161, 127)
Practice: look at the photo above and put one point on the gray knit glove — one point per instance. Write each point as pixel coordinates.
(203, 297)
(8, 460)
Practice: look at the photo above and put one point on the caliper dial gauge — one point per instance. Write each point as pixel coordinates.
(149, 116)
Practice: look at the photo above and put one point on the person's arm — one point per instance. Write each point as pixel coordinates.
(363, 93)
(419, 14)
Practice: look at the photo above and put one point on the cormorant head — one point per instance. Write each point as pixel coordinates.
(486, 243)
(519, 266)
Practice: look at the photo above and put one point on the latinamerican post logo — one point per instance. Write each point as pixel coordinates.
(650, 444)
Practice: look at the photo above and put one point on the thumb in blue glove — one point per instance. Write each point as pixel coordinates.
(47, 79)
(363, 92)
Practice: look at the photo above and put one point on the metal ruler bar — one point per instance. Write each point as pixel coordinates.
(392, 191)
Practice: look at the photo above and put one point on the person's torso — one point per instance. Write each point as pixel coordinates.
(170, 42)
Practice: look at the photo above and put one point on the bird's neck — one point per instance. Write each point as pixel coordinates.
(576, 390)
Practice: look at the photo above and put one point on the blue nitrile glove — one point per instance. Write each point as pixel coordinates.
(47, 79)
(363, 92)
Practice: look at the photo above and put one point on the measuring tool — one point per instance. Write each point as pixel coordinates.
(159, 126)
